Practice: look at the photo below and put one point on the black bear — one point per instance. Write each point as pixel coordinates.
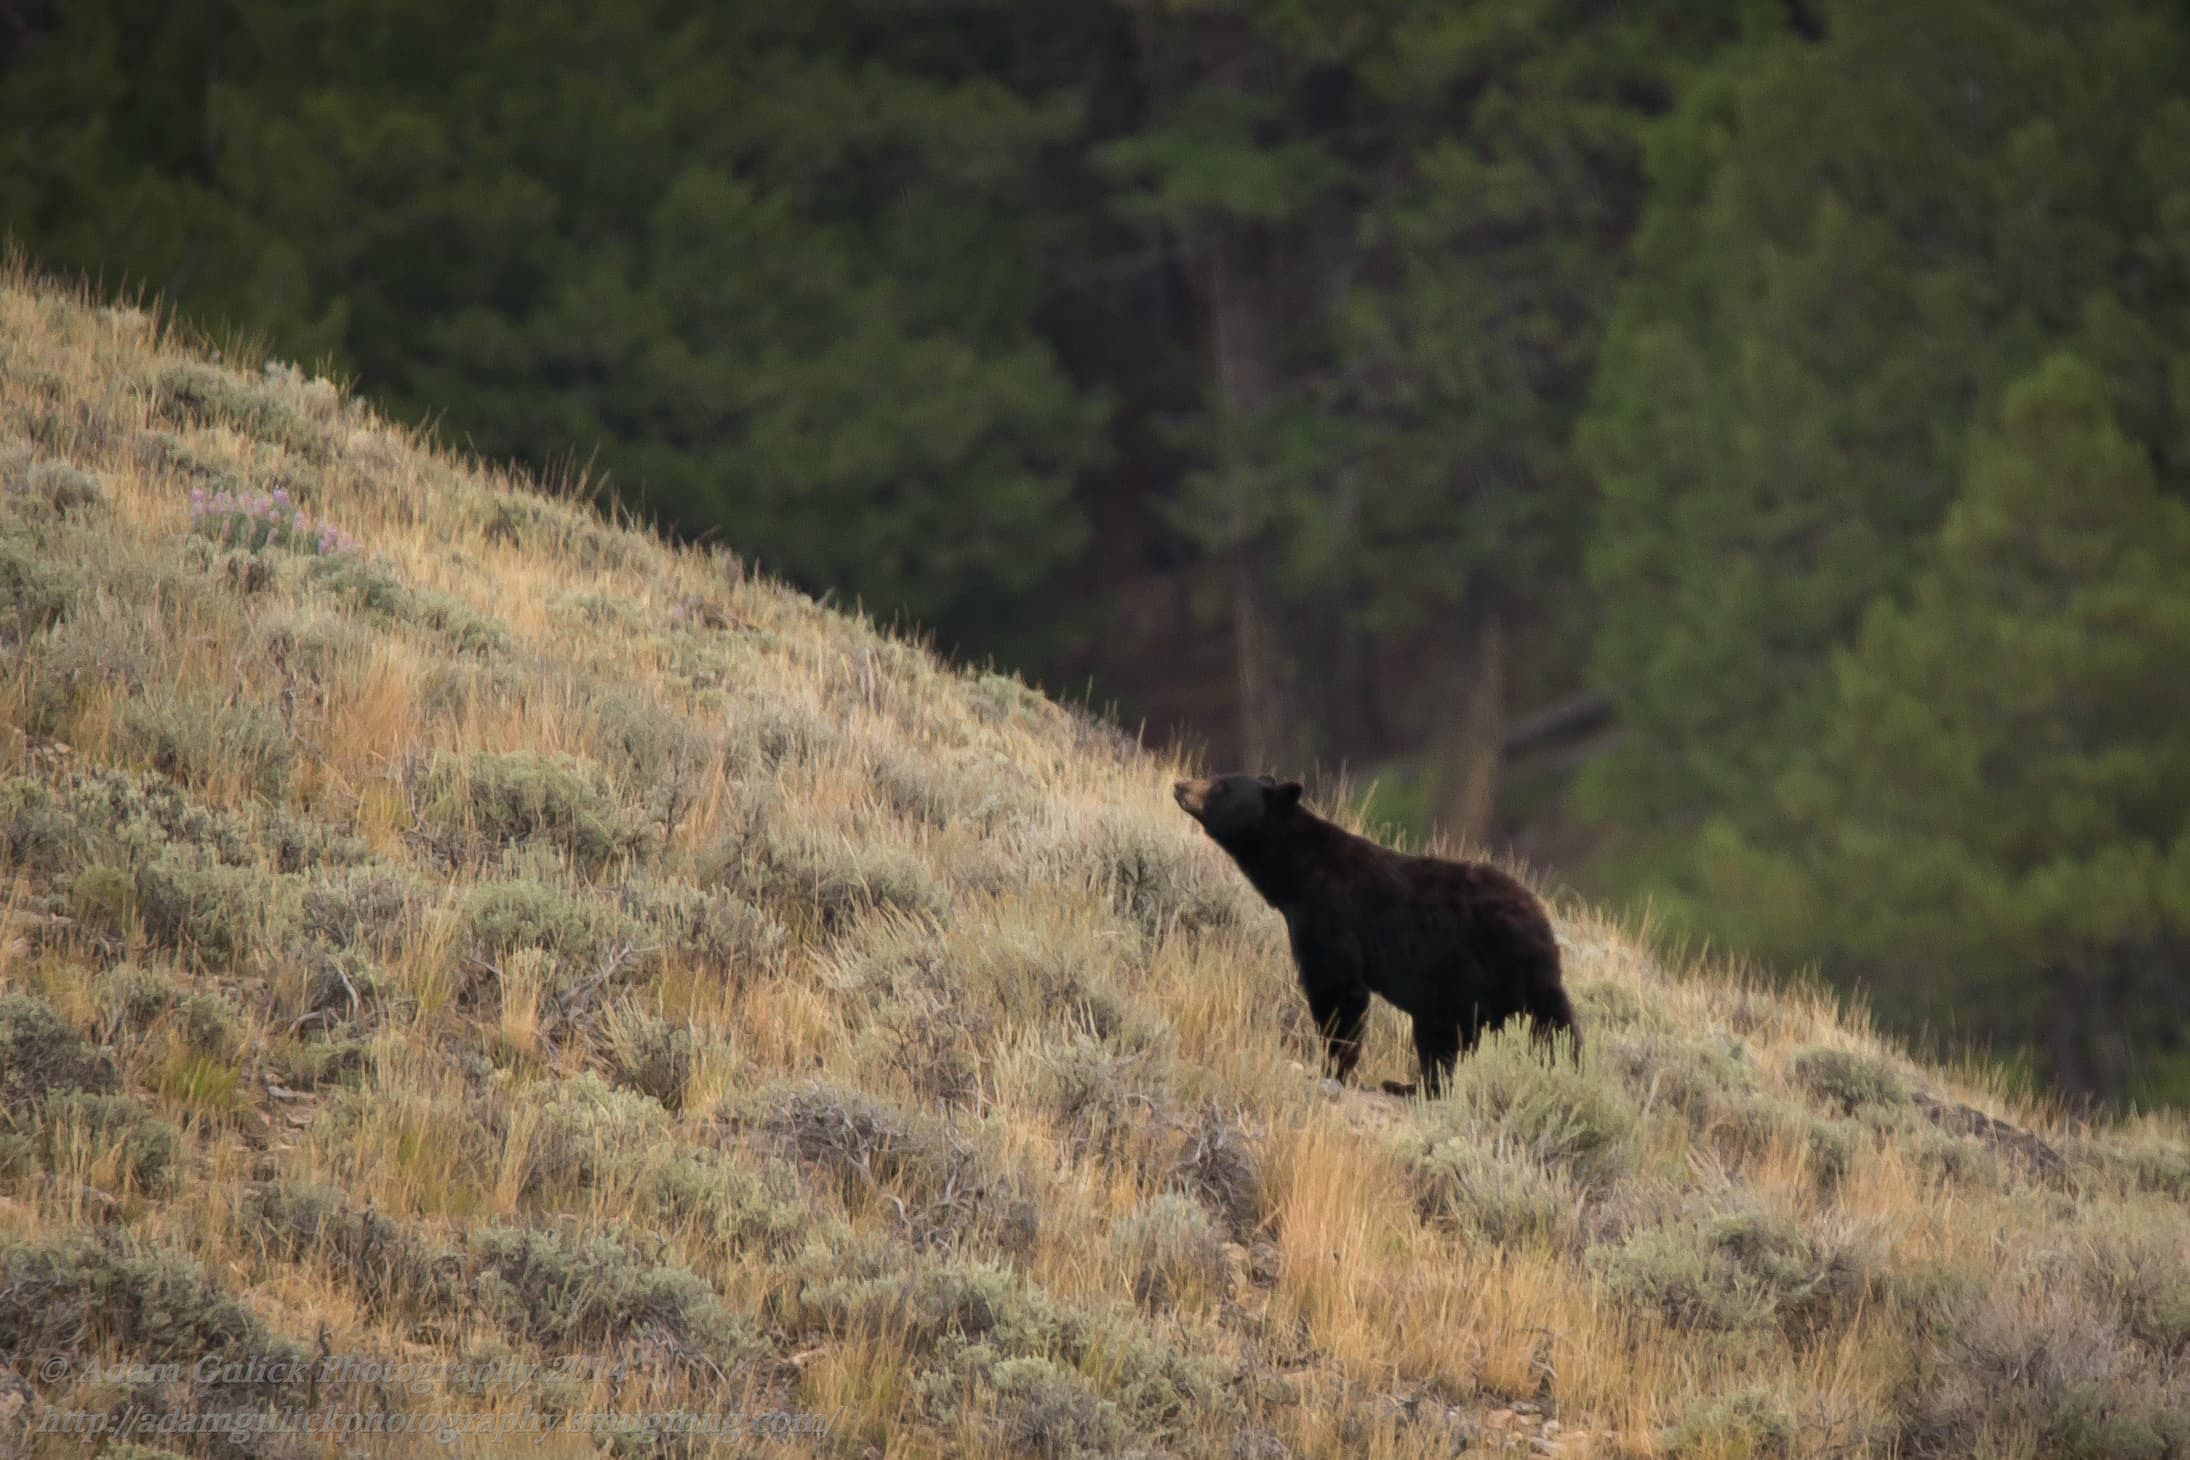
(1461, 946)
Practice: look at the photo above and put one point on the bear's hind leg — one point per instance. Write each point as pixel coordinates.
(1437, 1047)
(1551, 1014)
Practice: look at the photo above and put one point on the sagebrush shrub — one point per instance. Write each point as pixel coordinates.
(831, 882)
(1744, 1270)
(1174, 1253)
(523, 912)
(945, 1187)
(113, 1291)
(475, 805)
(1493, 1191)
(200, 738)
(572, 1294)
(1848, 1082)
(34, 593)
(372, 587)
(1564, 1117)
(40, 1054)
(387, 1267)
(188, 393)
(648, 1054)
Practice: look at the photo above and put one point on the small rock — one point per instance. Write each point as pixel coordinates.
(1501, 1419)
(1551, 1428)
(1543, 1446)
(1239, 1267)
(47, 755)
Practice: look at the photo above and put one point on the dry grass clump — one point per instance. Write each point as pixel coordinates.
(108, 1142)
(2020, 1366)
(436, 922)
(1109, 1106)
(1006, 1366)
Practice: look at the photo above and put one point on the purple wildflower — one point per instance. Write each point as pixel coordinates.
(261, 520)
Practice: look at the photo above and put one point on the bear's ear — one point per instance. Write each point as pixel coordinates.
(1286, 793)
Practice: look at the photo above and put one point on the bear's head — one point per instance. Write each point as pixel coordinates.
(1237, 807)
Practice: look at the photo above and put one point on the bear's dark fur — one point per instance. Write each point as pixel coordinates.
(1461, 946)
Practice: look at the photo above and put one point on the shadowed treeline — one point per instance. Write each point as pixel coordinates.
(1730, 453)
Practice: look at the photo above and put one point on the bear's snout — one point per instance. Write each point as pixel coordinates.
(1192, 795)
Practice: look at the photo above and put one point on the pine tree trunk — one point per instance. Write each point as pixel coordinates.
(1241, 341)
(2073, 1036)
(1348, 717)
(1468, 740)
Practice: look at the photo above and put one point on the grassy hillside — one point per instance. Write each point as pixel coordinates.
(463, 964)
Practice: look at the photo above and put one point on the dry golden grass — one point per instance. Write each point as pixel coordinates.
(520, 939)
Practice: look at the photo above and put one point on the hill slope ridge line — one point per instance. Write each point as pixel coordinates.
(439, 926)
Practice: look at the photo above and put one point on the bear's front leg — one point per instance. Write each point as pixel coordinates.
(1340, 1014)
